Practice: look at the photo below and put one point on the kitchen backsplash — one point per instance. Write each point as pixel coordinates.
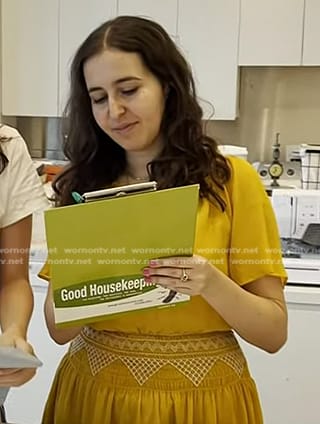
(271, 100)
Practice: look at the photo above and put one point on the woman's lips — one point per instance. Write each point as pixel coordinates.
(123, 129)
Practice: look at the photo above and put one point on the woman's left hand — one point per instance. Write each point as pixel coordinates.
(188, 275)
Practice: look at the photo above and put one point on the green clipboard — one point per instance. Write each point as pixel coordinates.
(97, 251)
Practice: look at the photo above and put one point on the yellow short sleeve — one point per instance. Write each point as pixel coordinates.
(255, 249)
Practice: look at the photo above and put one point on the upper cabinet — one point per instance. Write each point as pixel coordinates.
(73, 31)
(311, 50)
(208, 35)
(197, 27)
(29, 57)
(271, 32)
(40, 38)
(164, 12)
(77, 19)
(284, 33)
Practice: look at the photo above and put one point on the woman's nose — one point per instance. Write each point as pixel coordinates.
(116, 108)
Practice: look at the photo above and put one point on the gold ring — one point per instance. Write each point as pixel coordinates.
(184, 275)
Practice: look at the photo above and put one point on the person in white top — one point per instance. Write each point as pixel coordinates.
(21, 194)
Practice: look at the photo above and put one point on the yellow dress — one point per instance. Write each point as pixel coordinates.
(180, 365)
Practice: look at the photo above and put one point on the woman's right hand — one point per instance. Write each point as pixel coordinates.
(10, 377)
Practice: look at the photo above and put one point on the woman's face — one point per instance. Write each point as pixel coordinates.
(127, 99)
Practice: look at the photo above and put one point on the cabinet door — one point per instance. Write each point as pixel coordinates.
(208, 35)
(288, 381)
(311, 51)
(77, 19)
(271, 32)
(29, 57)
(164, 12)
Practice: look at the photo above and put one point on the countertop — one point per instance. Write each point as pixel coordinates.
(302, 295)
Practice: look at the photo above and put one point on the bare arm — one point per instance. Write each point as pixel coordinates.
(257, 311)
(59, 335)
(16, 298)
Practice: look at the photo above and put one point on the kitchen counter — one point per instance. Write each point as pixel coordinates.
(306, 295)
(303, 271)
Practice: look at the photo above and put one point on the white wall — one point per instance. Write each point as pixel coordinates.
(285, 100)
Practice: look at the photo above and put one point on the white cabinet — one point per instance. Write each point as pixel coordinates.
(289, 381)
(271, 32)
(274, 32)
(77, 19)
(311, 51)
(164, 12)
(40, 37)
(90, 16)
(208, 35)
(29, 57)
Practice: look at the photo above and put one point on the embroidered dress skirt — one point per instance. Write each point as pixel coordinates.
(118, 378)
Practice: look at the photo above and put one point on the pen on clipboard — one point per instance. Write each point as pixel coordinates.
(77, 197)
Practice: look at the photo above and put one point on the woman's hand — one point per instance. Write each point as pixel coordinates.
(188, 275)
(15, 377)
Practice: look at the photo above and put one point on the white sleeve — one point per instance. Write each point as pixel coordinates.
(22, 191)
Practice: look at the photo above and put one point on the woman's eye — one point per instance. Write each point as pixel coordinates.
(129, 92)
(99, 100)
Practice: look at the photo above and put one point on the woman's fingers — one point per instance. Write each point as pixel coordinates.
(16, 377)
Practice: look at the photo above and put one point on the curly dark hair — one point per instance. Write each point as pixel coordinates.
(96, 161)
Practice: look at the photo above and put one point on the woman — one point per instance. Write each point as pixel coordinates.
(21, 194)
(133, 116)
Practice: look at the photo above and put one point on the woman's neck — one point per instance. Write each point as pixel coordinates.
(137, 162)
(137, 166)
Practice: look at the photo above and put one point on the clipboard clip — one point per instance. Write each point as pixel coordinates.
(113, 192)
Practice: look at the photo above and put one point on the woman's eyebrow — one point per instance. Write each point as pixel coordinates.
(124, 79)
(118, 81)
